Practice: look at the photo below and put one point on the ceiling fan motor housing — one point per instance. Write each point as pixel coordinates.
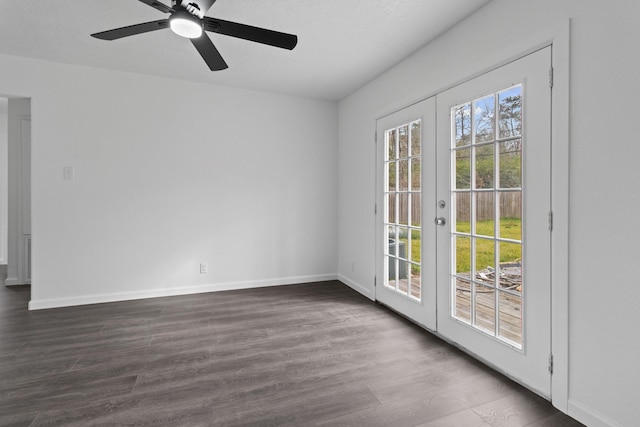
(186, 24)
(200, 7)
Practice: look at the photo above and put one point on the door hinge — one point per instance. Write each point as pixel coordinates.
(375, 209)
(375, 281)
(551, 363)
(550, 221)
(551, 77)
(375, 138)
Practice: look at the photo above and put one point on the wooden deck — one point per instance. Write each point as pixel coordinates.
(403, 285)
(509, 303)
(509, 310)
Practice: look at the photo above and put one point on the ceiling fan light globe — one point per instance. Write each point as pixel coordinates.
(186, 26)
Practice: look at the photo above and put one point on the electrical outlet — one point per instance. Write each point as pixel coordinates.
(204, 268)
(68, 172)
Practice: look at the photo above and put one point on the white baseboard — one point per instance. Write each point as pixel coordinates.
(357, 287)
(589, 417)
(14, 281)
(157, 293)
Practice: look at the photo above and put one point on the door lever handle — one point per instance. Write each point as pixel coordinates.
(440, 221)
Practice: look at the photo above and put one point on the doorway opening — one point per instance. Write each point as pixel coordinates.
(15, 190)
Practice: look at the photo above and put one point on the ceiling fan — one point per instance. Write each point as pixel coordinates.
(187, 20)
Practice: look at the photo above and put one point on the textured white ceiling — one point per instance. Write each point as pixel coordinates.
(342, 44)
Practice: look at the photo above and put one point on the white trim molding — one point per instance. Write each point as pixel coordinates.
(560, 164)
(13, 281)
(169, 292)
(589, 417)
(364, 290)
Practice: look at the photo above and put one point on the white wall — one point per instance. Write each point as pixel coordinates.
(3, 180)
(169, 174)
(604, 378)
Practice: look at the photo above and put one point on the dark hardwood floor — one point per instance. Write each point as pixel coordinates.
(303, 355)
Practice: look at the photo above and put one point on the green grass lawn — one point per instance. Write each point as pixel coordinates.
(509, 252)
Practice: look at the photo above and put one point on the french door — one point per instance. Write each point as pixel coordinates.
(466, 252)
(406, 177)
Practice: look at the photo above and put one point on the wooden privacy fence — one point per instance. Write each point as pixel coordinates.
(510, 206)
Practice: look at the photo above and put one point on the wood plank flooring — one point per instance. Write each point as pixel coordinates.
(304, 355)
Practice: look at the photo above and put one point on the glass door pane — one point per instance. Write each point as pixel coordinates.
(403, 211)
(486, 149)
